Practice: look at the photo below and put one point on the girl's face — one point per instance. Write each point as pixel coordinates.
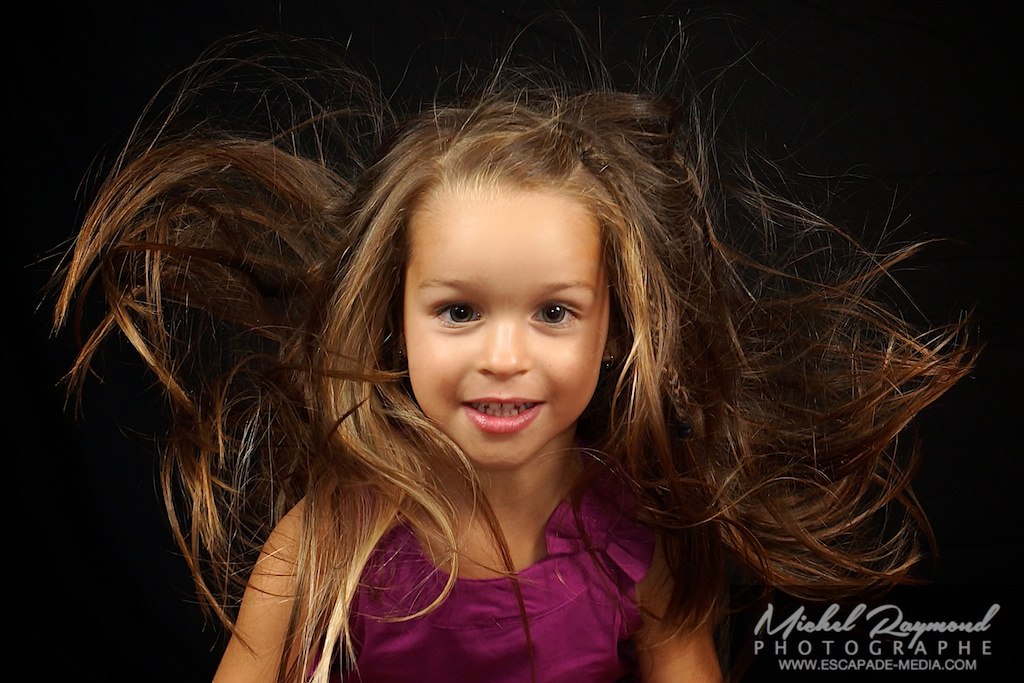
(505, 320)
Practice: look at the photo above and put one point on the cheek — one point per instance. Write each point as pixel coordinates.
(580, 372)
(421, 362)
(433, 371)
(576, 374)
(422, 367)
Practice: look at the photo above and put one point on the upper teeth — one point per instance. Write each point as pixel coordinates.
(501, 409)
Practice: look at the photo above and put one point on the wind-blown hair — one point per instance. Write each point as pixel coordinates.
(754, 406)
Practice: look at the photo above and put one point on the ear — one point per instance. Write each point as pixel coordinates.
(613, 346)
(615, 342)
(613, 351)
(393, 351)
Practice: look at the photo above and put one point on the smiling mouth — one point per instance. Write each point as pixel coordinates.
(501, 409)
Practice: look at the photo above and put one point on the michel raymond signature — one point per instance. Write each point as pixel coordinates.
(884, 620)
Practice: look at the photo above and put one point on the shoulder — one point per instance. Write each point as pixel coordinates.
(667, 653)
(283, 543)
(274, 571)
(257, 643)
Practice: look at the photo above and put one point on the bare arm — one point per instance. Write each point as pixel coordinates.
(667, 657)
(253, 654)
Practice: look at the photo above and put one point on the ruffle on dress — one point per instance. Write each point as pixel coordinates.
(579, 600)
(403, 580)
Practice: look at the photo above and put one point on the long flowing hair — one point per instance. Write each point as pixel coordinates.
(255, 263)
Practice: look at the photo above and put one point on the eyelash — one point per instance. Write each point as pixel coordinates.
(567, 314)
(445, 314)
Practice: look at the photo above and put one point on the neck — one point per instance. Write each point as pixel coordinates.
(522, 500)
(518, 492)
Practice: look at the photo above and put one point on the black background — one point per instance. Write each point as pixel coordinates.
(916, 107)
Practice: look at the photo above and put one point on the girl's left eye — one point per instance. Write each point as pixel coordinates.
(553, 314)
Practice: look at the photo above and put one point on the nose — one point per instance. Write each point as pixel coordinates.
(506, 349)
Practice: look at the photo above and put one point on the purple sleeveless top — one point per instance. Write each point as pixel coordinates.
(580, 602)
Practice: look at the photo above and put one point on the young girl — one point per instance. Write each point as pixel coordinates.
(503, 389)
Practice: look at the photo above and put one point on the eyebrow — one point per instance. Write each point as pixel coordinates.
(442, 283)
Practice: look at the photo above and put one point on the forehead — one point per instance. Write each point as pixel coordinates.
(494, 231)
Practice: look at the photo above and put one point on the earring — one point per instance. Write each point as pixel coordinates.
(607, 361)
(398, 357)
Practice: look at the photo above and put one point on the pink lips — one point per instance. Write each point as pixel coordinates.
(502, 423)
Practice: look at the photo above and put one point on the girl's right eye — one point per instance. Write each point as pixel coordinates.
(458, 314)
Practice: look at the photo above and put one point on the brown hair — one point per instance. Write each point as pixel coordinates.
(754, 407)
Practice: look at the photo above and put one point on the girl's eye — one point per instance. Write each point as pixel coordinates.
(554, 314)
(459, 313)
